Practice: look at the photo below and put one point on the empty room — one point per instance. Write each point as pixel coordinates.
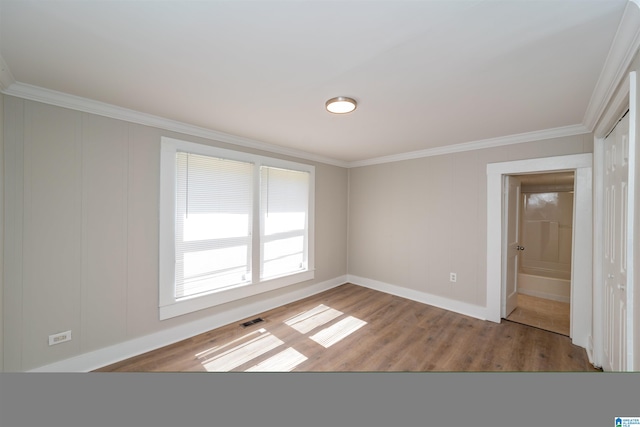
(319, 186)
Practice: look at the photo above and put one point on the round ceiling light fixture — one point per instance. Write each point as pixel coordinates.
(341, 105)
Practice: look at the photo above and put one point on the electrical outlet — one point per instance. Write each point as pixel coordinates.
(453, 277)
(59, 338)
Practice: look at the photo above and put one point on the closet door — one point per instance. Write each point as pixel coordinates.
(616, 177)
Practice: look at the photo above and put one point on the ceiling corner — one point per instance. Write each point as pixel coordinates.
(6, 78)
(622, 51)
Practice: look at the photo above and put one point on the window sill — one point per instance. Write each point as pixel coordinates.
(224, 296)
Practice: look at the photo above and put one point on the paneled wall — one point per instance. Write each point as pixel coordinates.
(81, 243)
(413, 222)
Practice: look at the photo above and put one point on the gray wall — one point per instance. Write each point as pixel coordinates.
(413, 222)
(1, 231)
(81, 241)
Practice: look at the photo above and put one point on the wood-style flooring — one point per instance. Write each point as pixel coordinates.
(542, 313)
(351, 328)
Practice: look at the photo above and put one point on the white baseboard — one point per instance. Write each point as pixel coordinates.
(591, 354)
(448, 304)
(105, 356)
(544, 295)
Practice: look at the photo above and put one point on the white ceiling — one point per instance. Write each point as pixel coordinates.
(426, 74)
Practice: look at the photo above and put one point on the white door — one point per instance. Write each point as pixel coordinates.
(510, 247)
(616, 173)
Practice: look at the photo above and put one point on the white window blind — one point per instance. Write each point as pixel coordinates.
(284, 214)
(214, 200)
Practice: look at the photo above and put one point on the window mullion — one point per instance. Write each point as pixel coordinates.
(257, 227)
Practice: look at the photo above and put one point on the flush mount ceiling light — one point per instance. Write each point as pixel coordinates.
(341, 105)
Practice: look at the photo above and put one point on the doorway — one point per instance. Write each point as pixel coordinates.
(544, 224)
(581, 257)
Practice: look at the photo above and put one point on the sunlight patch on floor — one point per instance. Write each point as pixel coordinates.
(334, 333)
(311, 319)
(203, 354)
(255, 345)
(242, 353)
(285, 361)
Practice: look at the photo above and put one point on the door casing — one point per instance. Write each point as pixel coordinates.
(581, 268)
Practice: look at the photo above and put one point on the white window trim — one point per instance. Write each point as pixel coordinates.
(168, 306)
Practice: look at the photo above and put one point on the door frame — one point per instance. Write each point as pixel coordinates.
(581, 256)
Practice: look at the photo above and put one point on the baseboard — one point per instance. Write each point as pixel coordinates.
(591, 354)
(105, 356)
(545, 295)
(437, 301)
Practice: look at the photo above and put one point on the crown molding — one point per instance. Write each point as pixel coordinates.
(39, 94)
(622, 51)
(6, 78)
(617, 106)
(478, 145)
(47, 96)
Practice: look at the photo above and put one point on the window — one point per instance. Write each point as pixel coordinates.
(283, 211)
(232, 225)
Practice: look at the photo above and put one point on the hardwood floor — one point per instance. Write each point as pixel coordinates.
(351, 328)
(542, 313)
